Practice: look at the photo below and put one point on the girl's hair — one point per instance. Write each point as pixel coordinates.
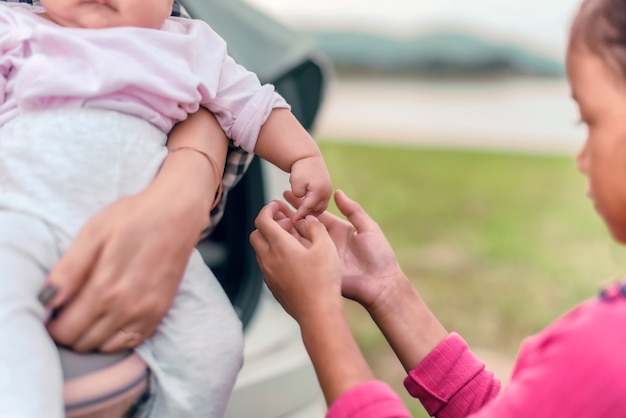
(600, 26)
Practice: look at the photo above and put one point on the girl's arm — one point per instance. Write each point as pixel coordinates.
(302, 270)
(123, 270)
(443, 373)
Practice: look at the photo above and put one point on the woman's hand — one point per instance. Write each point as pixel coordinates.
(122, 271)
(299, 262)
(368, 263)
(121, 274)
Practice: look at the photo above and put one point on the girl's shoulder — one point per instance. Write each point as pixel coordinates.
(596, 326)
(577, 361)
(600, 317)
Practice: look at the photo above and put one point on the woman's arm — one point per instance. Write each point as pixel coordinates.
(123, 270)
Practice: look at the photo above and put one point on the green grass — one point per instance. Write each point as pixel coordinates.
(498, 244)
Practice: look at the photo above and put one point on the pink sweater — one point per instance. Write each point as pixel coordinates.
(573, 369)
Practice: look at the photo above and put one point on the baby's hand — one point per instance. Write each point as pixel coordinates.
(310, 181)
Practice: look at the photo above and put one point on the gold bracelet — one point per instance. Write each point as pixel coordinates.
(214, 166)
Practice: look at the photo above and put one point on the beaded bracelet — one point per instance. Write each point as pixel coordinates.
(214, 166)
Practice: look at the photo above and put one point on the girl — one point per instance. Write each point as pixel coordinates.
(573, 368)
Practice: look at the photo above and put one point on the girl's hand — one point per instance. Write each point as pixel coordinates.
(368, 263)
(372, 276)
(299, 262)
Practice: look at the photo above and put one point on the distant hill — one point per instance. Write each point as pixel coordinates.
(438, 53)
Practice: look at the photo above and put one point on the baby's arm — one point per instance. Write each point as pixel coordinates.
(284, 142)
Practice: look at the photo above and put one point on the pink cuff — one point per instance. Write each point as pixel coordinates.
(373, 399)
(446, 369)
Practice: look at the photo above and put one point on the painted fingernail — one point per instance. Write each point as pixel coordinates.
(47, 294)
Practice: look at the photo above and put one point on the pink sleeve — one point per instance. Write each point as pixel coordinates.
(574, 368)
(451, 381)
(231, 92)
(372, 399)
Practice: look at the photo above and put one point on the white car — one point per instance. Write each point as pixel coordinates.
(277, 379)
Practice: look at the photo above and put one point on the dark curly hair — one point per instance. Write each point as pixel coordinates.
(600, 26)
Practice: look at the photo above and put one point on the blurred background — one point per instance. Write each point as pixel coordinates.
(439, 71)
(451, 122)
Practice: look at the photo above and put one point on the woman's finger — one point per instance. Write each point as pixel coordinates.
(96, 335)
(70, 273)
(86, 307)
(121, 338)
(74, 320)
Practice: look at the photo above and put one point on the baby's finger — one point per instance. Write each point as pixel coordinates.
(307, 206)
(292, 199)
(320, 208)
(312, 229)
(302, 212)
(299, 188)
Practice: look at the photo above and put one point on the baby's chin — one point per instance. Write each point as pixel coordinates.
(97, 21)
(85, 21)
(93, 17)
(103, 22)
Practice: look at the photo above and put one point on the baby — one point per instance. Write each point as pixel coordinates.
(89, 91)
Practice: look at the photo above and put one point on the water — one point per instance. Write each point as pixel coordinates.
(512, 114)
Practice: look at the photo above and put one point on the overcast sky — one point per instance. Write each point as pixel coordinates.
(540, 23)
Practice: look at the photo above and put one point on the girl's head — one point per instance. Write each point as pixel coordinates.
(596, 69)
(97, 14)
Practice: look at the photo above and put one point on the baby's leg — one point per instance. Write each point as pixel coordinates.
(197, 351)
(31, 382)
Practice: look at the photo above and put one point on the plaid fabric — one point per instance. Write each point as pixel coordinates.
(237, 160)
